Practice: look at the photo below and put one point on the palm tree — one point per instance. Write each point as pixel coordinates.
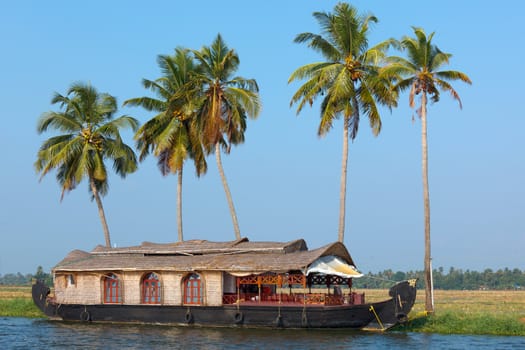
(348, 80)
(420, 73)
(90, 137)
(228, 101)
(172, 135)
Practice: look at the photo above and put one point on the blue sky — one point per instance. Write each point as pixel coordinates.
(284, 179)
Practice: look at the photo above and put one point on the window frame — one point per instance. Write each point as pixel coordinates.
(193, 289)
(151, 289)
(71, 280)
(115, 291)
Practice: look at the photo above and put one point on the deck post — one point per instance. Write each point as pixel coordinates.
(238, 280)
(259, 287)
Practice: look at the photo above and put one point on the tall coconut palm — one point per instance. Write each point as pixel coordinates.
(348, 80)
(171, 135)
(90, 137)
(228, 101)
(420, 73)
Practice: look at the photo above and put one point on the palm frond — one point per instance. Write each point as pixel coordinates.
(329, 113)
(124, 160)
(367, 101)
(445, 86)
(163, 162)
(354, 114)
(450, 75)
(319, 44)
(320, 78)
(114, 126)
(309, 70)
(59, 121)
(248, 100)
(404, 84)
(437, 59)
(397, 69)
(148, 103)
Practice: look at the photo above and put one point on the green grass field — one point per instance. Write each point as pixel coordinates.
(16, 301)
(456, 312)
(466, 312)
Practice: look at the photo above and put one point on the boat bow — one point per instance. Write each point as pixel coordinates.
(40, 293)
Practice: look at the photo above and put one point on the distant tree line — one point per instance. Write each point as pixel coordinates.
(18, 279)
(454, 279)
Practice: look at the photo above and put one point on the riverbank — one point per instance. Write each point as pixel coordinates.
(457, 312)
(16, 301)
(470, 312)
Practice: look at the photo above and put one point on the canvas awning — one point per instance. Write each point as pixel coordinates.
(333, 265)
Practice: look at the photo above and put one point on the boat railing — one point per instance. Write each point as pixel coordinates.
(352, 298)
(229, 298)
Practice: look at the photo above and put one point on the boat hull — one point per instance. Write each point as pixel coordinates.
(381, 315)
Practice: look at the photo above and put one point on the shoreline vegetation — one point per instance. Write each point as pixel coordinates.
(16, 301)
(456, 312)
(480, 312)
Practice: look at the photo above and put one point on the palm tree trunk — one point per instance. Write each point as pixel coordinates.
(179, 205)
(342, 191)
(429, 305)
(227, 191)
(100, 211)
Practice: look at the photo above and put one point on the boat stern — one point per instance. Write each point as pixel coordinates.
(394, 311)
(404, 297)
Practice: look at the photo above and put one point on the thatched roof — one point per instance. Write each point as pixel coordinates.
(240, 256)
(200, 247)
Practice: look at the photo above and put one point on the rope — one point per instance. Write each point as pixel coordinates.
(377, 317)
(379, 278)
(304, 319)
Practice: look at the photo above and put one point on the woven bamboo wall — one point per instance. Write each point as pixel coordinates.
(172, 294)
(85, 289)
(213, 288)
(131, 285)
(88, 287)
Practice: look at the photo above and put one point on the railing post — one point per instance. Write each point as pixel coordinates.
(238, 282)
(259, 287)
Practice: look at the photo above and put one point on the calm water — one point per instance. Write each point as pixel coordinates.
(23, 333)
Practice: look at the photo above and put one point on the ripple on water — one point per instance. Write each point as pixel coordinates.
(23, 333)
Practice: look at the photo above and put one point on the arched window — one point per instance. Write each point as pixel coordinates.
(112, 289)
(193, 289)
(151, 289)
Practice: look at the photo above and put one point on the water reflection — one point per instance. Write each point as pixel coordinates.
(21, 333)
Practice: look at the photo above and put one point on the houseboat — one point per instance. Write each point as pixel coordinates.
(202, 283)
